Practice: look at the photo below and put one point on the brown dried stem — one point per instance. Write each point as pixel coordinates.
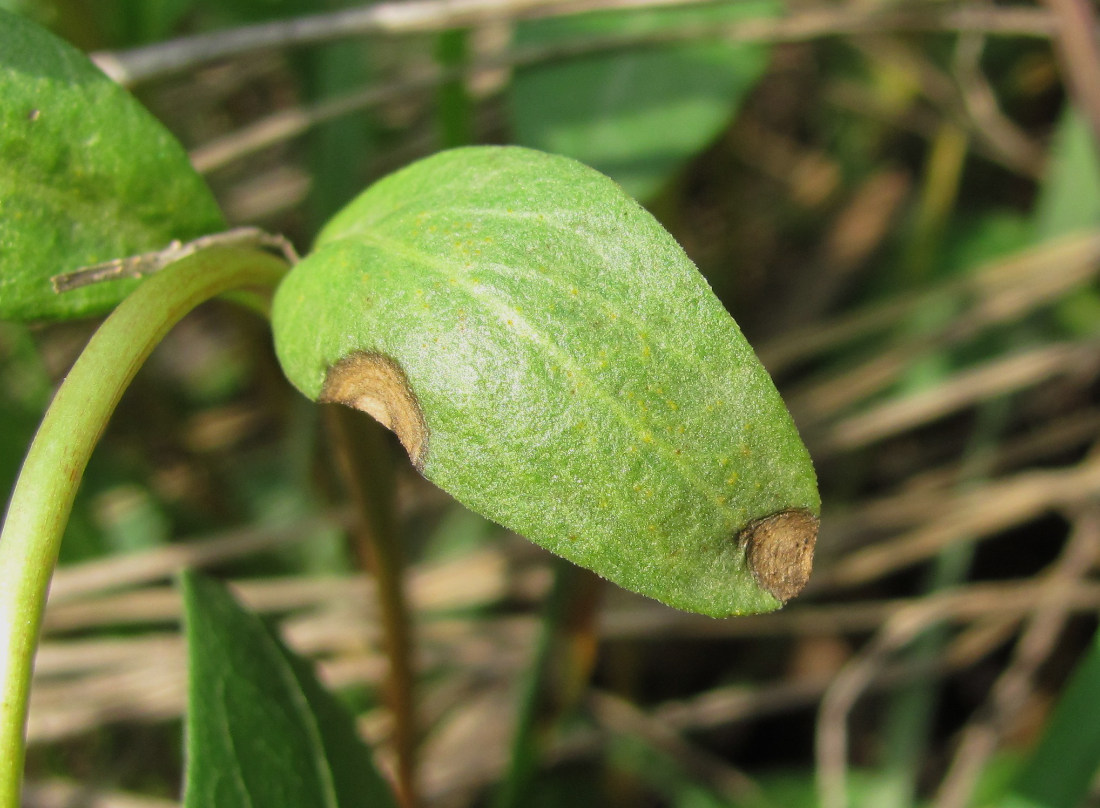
(1076, 46)
(418, 16)
(363, 460)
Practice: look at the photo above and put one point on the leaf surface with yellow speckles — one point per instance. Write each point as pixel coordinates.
(550, 356)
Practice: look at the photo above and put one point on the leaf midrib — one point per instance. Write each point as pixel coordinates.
(441, 267)
(552, 281)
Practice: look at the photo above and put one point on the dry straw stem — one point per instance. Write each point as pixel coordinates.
(722, 707)
(1002, 135)
(286, 124)
(831, 746)
(290, 123)
(58, 793)
(962, 97)
(727, 705)
(976, 602)
(463, 583)
(469, 749)
(121, 571)
(977, 514)
(84, 683)
(1048, 612)
(998, 377)
(924, 119)
(926, 491)
(418, 16)
(338, 602)
(81, 684)
(1016, 684)
(89, 656)
(998, 292)
(1077, 49)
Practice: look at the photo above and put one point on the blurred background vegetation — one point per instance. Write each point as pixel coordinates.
(900, 204)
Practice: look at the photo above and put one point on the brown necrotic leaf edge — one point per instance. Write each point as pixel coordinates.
(376, 384)
(779, 548)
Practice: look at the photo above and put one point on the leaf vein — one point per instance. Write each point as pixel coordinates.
(442, 267)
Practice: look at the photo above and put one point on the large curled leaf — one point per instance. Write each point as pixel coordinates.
(86, 175)
(638, 115)
(550, 356)
(261, 729)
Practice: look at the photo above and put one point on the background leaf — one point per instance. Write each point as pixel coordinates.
(1064, 763)
(636, 116)
(261, 730)
(1069, 201)
(86, 175)
(1069, 198)
(578, 380)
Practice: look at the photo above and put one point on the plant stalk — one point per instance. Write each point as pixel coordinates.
(43, 495)
(558, 678)
(363, 460)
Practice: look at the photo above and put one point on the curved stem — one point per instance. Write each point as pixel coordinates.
(44, 493)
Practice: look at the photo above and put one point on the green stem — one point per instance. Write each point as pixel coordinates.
(44, 493)
(454, 109)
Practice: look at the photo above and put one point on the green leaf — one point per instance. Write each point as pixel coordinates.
(261, 730)
(1064, 764)
(550, 356)
(86, 175)
(636, 116)
(1069, 199)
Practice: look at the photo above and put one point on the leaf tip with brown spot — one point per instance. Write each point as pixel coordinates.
(780, 550)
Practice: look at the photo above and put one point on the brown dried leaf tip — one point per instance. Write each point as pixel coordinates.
(377, 385)
(780, 551)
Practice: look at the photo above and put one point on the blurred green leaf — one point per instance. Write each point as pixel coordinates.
(261, 729)
(550, 356)
(636, 116)
(1064, 765)
(25, 391)
(340, 151)
(86, 175)
(979, 239)
(460, 532)
(131, 519)
(1069, 198)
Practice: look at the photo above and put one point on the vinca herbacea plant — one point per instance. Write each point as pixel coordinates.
(541, 346)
